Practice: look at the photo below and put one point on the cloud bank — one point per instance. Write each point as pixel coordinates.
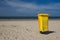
(31, 9)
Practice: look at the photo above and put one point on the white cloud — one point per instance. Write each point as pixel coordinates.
(24, 7)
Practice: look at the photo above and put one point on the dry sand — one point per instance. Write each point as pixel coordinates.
(27, 29)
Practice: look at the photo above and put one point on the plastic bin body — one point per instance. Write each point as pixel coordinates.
(43, 22)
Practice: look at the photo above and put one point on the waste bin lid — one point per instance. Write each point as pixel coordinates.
(43, 14)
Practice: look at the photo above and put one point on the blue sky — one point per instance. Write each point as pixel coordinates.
(29, 7)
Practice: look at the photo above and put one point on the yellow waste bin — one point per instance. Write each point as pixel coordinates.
(43, 22)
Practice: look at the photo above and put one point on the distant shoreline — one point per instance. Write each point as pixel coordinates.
(26, 17)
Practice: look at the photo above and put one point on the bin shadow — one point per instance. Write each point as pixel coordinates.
(48, 32)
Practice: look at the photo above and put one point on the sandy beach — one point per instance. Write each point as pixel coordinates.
(27, 29)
